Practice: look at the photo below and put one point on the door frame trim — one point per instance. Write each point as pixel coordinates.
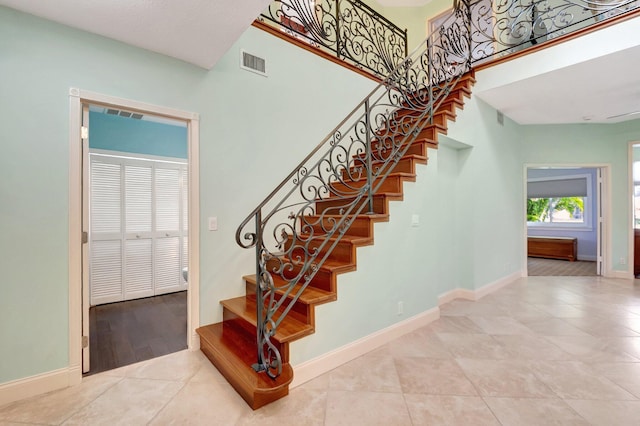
(604, 203)
(630, 209)
(77, 97)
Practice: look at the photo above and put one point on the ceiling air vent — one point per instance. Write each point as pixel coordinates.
(253, 63)
(127, 114)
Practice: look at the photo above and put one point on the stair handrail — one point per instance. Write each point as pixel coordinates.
(361, 152)
(348, 29)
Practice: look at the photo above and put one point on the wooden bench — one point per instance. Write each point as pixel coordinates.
(553, 247)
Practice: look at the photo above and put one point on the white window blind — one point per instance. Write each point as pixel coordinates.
(557, 188)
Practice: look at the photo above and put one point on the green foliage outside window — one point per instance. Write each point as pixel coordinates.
(546, 209)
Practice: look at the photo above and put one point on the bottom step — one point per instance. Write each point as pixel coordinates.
(232, 352)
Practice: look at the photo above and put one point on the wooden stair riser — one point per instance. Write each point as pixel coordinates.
(427, 138)
(406, 164)
(361, 225)
(451, 106)
(232, 319)
(303, 310)
(323, 279)
(418, 147)
(333, 206)
(244, 309)
(310, 296)
(391, 184)
(411, 119)
(421, 101)
(344, 251)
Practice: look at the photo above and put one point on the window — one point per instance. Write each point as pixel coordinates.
(556, 210)
(559, 201)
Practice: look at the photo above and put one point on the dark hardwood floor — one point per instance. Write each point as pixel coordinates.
(127, 332)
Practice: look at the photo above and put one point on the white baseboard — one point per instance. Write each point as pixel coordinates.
(457, 293)
(587, 258)
(625, 275)
(38, 384)
(463, 293)
(313, 368)
(194, 343)
(497, 285)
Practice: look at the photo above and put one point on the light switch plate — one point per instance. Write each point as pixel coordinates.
(213, 224)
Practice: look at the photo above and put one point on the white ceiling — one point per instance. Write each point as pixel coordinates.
(195, 31)
(201, 31)
(596, 90)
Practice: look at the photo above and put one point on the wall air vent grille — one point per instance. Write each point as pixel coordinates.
(253, 63)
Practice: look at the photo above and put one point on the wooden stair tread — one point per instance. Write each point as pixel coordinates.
(376, 217)
(233, 352)
(401, 175)
(290, 328)
(319, 237)
(334, 266)
(310, 296)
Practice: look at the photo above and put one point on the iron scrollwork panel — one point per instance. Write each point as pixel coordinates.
(349, 29)
(507, 26)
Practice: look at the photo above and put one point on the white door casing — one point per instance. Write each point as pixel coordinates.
(77, 98)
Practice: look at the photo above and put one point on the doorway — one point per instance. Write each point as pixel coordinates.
(565, 220)
(136, 192)
(79, 230)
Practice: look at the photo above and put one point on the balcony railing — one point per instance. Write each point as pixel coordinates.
(501, 28)
(347, 29)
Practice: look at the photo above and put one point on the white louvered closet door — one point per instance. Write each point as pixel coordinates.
(168, 244)
(139, 228)
(138, 239)
(185, 223)
(105, 258)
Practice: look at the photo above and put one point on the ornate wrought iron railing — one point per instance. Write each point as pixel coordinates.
(500, 28)
(348, 29)
(292, 235)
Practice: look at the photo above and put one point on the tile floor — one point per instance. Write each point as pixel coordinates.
(541, 351)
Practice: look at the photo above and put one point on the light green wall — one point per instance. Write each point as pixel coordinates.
(591, 144)
(413, 19)
(245, 149)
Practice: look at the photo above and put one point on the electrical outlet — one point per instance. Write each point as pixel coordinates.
(623, 260)
(400, 308)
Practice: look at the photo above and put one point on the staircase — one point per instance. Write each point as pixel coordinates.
(231, 344)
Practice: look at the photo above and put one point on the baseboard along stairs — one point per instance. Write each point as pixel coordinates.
(231, 344)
